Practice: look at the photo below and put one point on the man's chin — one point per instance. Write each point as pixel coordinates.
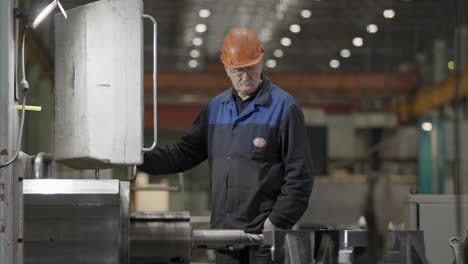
(247, 89)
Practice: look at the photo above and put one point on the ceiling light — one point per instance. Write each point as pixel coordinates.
(200, 28)
(345, 53)
(295, 28)
(197, 41)
(389, 13)
(204, 13)
(286, 42)
(278, 53)
(451, 65)
(194, 53)
(306, 13)
(35, 18)
(372, 28)
(358, 41)
(426, 126)
(192, 63)
(271, 63)
(334, 64)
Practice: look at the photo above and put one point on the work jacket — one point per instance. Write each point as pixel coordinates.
(259, 159)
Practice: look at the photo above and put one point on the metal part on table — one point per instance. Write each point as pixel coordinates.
(224, 239)
(351, 246)
(160, 237)
(290, 247)
(39, 167)
(76, 221)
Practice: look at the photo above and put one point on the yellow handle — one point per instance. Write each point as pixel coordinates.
(30, 108)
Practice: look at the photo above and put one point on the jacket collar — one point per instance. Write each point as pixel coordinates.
(262, 98)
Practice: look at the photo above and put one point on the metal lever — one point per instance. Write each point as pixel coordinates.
(454, 242)
(155, 103)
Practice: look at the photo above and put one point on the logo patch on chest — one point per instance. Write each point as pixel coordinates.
(259, 142)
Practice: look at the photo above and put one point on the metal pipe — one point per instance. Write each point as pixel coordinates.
(156, 188)
(39, 161)
(457, 181)
(224, 239)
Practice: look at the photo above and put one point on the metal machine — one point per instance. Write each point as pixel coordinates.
(89, 221)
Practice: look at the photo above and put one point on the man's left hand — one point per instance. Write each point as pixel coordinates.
(268, 225)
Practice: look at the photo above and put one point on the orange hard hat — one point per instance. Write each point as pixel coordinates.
(241, 48)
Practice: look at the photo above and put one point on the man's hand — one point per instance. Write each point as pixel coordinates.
(268, 225)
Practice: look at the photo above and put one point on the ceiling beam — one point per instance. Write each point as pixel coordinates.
(431, 97)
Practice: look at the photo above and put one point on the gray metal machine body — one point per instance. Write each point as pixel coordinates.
(10, 192)
(76, 221)
(88, 221)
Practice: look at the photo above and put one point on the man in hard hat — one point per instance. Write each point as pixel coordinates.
(254, 138)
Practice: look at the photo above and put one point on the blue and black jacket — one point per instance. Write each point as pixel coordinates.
(259, 159)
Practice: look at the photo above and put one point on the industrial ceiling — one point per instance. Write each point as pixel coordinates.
(329, 27)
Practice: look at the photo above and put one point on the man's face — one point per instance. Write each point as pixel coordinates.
(246, 79)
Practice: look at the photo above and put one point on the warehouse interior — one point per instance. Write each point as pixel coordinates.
(383, 86)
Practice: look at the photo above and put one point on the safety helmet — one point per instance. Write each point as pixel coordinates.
(241, 48)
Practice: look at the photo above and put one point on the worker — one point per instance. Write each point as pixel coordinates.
(254, 138)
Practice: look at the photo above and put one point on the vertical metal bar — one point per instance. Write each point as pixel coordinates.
(124, 191)
(8, 129)
(155, 89)
(457, 181)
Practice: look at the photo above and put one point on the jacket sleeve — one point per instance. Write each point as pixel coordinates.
(183, 155)
(297, 185)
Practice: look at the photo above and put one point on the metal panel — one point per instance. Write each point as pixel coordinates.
(79, 225)
(64, 186)
(435, 215)
(99, 85)
(8, 134)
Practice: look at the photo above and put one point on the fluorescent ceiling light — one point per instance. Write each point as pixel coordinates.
(194, 53)
(334, 64)
(278, 53)
(358, 42)
(295, 28)
(197, 41)
(46, 11)
(372, 28)
(286, 42)
(271, 63)
(306, 13)
(204, 13)
(345, 53)
(389, 13)
(200, 28)
(192, 63)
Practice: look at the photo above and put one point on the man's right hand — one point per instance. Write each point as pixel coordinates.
(268, 225)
